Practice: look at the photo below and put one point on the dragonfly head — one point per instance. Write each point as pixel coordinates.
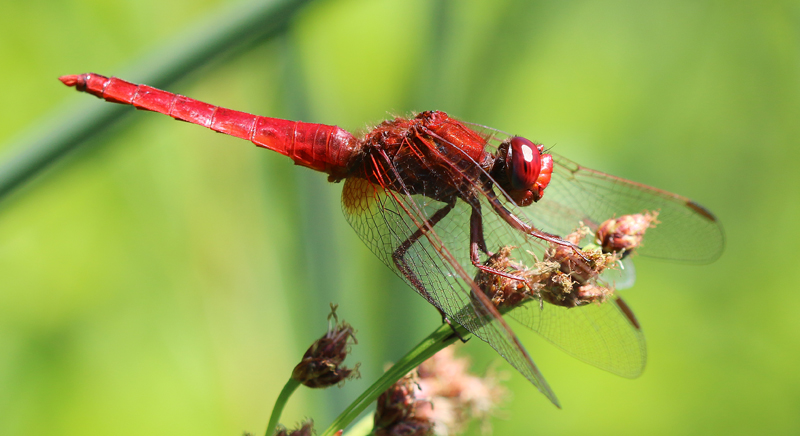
(525, 171)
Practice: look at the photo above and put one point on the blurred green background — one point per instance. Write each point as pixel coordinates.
(162, 279)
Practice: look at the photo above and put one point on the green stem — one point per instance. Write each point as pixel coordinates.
(287, 392)
(363, 427)
(223, 32)
(436, 341)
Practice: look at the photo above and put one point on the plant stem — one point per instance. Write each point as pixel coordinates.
(283, 398)
(363, 427)
(436, 341)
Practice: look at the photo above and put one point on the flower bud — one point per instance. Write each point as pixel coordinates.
(396, 412)
(442, 398)
(321, 366)
(454, 396)
(623, 234)
(306, 429)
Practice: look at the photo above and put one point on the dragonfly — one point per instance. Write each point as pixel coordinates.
(438, 200)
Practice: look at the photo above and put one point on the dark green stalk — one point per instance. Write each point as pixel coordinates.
(436, 341)
(283, 398)
(224, 31)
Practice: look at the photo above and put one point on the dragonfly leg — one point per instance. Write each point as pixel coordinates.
(524, 227)
(478, 243)
(399, 254)
(399, 260)
(447, 321)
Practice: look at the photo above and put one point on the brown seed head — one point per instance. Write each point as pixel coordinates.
(574, 284)
(454, 396)
(306, 429)
(563, 277)
(321, 366)
(396, 413)
(505, 292)
(440, 400)
(624, 234)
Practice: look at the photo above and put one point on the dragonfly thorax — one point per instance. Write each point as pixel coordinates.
(430, 154)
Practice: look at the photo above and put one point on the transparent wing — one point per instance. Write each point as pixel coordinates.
(434, 266)
(438, 265)
(686, 230)
(605, 335)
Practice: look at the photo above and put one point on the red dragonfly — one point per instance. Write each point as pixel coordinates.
(434, 198)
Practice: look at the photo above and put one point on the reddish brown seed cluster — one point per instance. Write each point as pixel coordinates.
(455, 397)
(625, 233)
(441, 399)
(507, 293)
(573, 283)
(306, 428)
(397, 411)
(563, 277)
(321, 366)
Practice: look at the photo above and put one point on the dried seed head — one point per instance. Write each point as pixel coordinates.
(624, 234)
(563, 278)
(454, 396)
(321, 366)
(574, 284)
(506, 293)
(411, 427)
(306, 429)
(570, 261)
(441, 399)
(396, 413)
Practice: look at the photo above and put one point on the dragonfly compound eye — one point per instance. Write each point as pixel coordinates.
(523, 163)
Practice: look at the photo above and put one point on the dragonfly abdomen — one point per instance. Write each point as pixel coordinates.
(317, 146)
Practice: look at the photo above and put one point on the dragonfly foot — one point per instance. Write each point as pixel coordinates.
(579, 252)
(454, 329)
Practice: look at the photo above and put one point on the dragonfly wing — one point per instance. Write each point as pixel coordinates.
(384, 219)
(605, 335)
(438, 265)
(685, 231)
(621, 277)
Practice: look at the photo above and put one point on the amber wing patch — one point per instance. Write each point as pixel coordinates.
(359, 196)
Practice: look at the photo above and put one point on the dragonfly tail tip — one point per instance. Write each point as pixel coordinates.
(70, 80)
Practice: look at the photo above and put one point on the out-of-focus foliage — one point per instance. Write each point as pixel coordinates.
(165, 280)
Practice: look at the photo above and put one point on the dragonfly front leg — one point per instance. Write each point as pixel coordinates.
(478, 243)
(526, 228)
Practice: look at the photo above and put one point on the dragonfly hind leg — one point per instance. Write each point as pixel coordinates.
(399, 261)
(400, 252)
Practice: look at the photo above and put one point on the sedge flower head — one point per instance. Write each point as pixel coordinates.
(306, 428)
(455, 396)
(321, 365)
(624, 234)
(440, 399)
(397, 412)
